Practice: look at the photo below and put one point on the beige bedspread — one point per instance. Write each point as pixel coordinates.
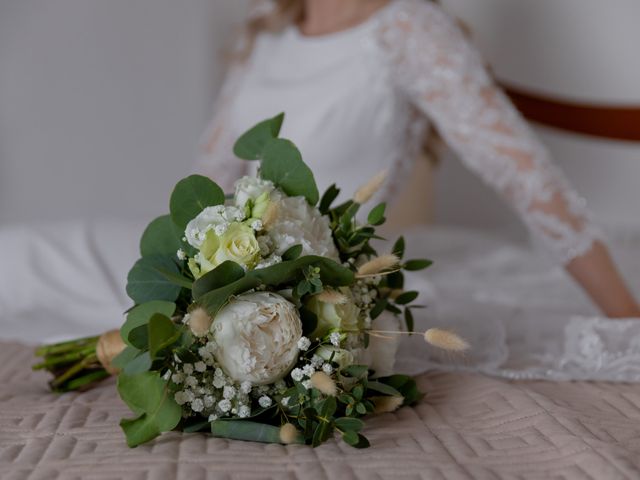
(468, 427)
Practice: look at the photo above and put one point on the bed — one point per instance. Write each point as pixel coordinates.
(469, 426)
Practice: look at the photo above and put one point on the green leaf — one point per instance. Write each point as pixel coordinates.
(248, 431)
(331, 273)
(140, 315)
(148, 280)
(405, 385)
(421, 264)
(190, 196)
(361, 409)
(139, 337)
(376, 215)
(398, 248)
(328, 198)
(349, 424)
(125, 356)
(356, 440)
(162, 333)
(406, 297)
(292, 253)
(408, 319)
(161, 237)
(309, 321)
(358, 392)
(140, 364)
(282, 164)
(395, 280)
(378, 308)
(147, 396)
(251, 144)
(383, 388)
(356, 371)
(225, 273)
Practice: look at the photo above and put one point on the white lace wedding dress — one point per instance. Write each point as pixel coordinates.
(360, 101)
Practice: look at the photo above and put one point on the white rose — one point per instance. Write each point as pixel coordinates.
(251, 188)
(298, 223)
(216, 219)
(238, 244)
(257, 336)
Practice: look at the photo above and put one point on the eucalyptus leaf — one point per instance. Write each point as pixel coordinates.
(331, 273)
(139, 337)
(161, 237)
(139, 364)
(225, 273)
(124, 357)
(282, 164)
(251, 144)
(190, 196)
(162, 333)
(148, 396)
(140, 315)
(356, 440)
(148, 280)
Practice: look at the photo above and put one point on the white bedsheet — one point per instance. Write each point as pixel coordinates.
(524, 317)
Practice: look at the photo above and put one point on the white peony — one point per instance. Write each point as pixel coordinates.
(298, 223)
(257, 336)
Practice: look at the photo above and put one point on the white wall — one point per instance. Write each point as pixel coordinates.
(102, 102)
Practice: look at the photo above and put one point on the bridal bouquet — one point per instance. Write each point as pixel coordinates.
(266, 315)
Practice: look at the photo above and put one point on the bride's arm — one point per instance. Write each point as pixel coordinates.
(442, 73)
(597, 274)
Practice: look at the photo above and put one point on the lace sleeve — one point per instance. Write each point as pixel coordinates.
(445, 78)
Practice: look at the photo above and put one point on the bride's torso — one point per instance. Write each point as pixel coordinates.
(342, 110)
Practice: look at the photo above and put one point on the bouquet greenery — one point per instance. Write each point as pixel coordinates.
(266, 315)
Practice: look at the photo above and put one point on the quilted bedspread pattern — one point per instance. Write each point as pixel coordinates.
(468, 427)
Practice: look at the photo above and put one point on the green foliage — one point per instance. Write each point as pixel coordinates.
(292, 253)
(161, 237)
(190, 196)
(148, 396)
(247, 430)
(406, 297)
(225, 273)
(140, 315)
(252, 143)
(154, 278)
(421, 264)
(328, 198)
(282, 164)
(285, 273)
(162, 333)
(376, 216)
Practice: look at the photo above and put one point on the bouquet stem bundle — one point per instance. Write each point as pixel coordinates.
(78, 364)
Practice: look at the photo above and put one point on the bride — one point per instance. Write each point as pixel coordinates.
(363, 81)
